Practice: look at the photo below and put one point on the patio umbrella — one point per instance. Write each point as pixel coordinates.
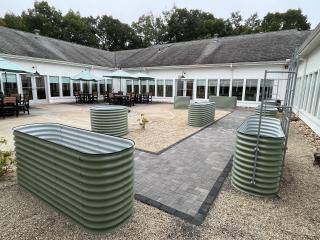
(86, 76)
(142, 76)
(120, 74)
(8, 66)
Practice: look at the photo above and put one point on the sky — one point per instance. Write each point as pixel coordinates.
(130, 10)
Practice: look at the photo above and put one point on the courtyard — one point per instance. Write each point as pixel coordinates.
(293, 214)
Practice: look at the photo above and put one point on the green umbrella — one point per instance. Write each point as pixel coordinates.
(7, 66)
(120, 74)
(141, 76)
(86, 76)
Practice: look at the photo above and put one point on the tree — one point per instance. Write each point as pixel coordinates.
(114, 35)
(252, 24)
(44, 18)
(11, 20)
(152, 30)
(292, 19)
(80, 30)
(236, 23)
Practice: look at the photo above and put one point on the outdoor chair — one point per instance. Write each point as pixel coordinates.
(77, 97)
(23, 104)
(105, 97)
(9, 106)
(147, 98)
(111, 98)
(94, 97)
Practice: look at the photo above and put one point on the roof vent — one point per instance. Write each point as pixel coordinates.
(215, 37)
(36, 31)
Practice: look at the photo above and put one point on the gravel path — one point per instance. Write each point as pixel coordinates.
(295, 214)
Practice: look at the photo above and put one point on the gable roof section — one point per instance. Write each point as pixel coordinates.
(271, 46)
(31, 45)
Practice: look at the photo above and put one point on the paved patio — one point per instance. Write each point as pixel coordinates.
(185, 179)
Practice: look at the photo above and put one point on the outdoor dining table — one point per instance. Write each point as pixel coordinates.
(120, 98)
(85, 97)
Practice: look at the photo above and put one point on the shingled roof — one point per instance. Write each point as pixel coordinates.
(272, 46)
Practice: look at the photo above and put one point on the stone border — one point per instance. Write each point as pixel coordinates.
(205, 206)
(185, 138)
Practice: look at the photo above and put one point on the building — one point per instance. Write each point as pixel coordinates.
(307, 95)
(226, 66)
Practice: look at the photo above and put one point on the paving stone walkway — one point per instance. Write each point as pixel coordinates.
(182, 177)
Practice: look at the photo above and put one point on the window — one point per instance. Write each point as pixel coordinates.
(9, 83)
(54, 86)
(268, 89)
(306, 94)
(66, 86)
(201, 88)
(136, 86)
(316, 99)
(129, 86)
(94, 87)
(102, 87)
(160, 88)
(311, 92)
(251, 90)
(152, 90)
(109, 85)
(237, 88)
(85, 86)
(143, 86)
(26, 86)
(76, 86)
(169, 88)
(212, 87)
(224, 87)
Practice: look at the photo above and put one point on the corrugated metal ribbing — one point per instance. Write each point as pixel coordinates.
(110, 120)
(88, 176)
(269, 161)
(201, 114)
(268, 111)
(181, 102)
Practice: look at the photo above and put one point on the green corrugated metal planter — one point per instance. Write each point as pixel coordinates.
(181, 102)
(224, 101)
(201, 114)
(267, 111)
(110, 120)
(87, 176)
(269, 161)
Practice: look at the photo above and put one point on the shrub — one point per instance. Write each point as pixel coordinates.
(5, 157)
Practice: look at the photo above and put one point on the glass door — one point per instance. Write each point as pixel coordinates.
(41, 88)
(189, 88)
(184, 87)
(26, 84)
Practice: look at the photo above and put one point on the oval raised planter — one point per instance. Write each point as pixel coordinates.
(201, 114)
(86, 175)
(267, 111)
(269, 161)
(181, 102)
(110, 120)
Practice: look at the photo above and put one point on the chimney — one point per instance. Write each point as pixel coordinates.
(215, 37)
(36, 31)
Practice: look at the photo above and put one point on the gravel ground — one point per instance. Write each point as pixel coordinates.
(294, 214)
(166, 124)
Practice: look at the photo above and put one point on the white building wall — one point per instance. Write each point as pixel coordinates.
(227, 71)
(307, 96)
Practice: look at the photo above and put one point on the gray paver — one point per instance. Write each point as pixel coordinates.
(182, 176)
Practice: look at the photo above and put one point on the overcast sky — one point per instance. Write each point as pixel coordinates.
(130, 10)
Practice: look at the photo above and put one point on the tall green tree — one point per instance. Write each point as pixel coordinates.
(44, 18)
(252, 24)
(11, 20)
(75, 28)
(152, 30)
(292, 19)
(115, 35)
